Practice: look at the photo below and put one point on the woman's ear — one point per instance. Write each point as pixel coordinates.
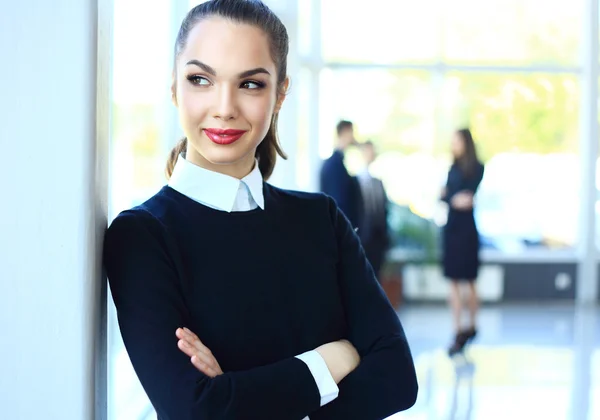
(281, 95)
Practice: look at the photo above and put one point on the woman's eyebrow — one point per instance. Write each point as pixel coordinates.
(203, 66)
(213, 72)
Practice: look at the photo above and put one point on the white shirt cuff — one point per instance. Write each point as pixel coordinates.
(327, 387)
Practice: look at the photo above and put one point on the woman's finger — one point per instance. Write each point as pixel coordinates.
(194, 340)
(207, 360)
(191, 338)
(184, 340)
(191, 345)
(180, 333)
(186, 348)
(196, 344)
(190, 351)
(186, 333)
(202, 367)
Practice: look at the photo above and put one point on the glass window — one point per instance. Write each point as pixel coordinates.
(501, 32)
(394, 108)
(396, 111)
(511, 32)
(141, 82)
(140, 136)
(527, 132)
(302, 90)
(381, 31)
(526, 128)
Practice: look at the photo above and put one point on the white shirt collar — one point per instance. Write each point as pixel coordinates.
(217, 190)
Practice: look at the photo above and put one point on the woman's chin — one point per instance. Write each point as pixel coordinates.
(229, 157)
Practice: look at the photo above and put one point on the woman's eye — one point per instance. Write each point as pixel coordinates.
(253, 85)
(198, 80)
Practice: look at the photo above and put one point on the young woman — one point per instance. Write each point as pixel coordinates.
(236, 299)
(461, 238)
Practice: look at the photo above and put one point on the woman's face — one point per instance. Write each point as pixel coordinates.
(225, 88)
(457, 146)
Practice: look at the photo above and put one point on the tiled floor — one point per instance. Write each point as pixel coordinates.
(533, 363)
(529, 362)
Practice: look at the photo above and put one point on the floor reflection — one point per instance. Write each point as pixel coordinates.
(528, 363)
(463, 383)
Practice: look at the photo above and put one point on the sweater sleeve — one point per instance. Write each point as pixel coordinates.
(472, 184)
(445, 196)
(385, 381)
(150, 306)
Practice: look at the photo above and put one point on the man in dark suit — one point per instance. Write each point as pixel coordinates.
(373, 232)
(335, 179)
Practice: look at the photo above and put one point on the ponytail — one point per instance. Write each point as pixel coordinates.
(268, 149)
(180, 147)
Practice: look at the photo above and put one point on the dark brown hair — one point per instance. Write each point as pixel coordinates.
(468, 162)
(343, 125)
(250, 12)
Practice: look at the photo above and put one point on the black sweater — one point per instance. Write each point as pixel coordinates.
(258, 288)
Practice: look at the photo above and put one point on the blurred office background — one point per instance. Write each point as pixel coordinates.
(522, 74)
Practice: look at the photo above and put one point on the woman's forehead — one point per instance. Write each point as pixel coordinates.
(227, 46)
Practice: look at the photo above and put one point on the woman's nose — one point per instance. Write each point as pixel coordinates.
(226, 107)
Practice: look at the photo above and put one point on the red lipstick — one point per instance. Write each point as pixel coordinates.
(224, 136)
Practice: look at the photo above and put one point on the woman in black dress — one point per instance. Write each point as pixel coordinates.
(461, 238)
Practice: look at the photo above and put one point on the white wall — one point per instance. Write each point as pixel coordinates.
(52, 207)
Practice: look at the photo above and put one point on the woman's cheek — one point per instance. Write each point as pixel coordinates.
(259, 112)
(193, 109)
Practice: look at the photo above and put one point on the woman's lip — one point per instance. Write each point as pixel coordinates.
(223, 136)
(224, 131)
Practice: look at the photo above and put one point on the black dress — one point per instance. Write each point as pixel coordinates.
(460, 235)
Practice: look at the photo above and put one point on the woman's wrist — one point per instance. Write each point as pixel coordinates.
(340, 357)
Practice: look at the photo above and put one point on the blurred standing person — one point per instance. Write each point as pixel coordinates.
(373, 232)
(335, 180)
(460, 235)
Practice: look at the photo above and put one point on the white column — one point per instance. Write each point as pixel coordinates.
(587, 276)
(53, 211)
(99, 310)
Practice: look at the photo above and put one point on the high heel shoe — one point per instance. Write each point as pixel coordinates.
(470, 334)
(459, 344)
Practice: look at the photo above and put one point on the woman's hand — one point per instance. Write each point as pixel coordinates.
(462, 200)
(201, 356)
(340, 357)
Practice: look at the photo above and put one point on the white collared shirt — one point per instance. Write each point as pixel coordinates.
(226, 193)
(216, 190)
